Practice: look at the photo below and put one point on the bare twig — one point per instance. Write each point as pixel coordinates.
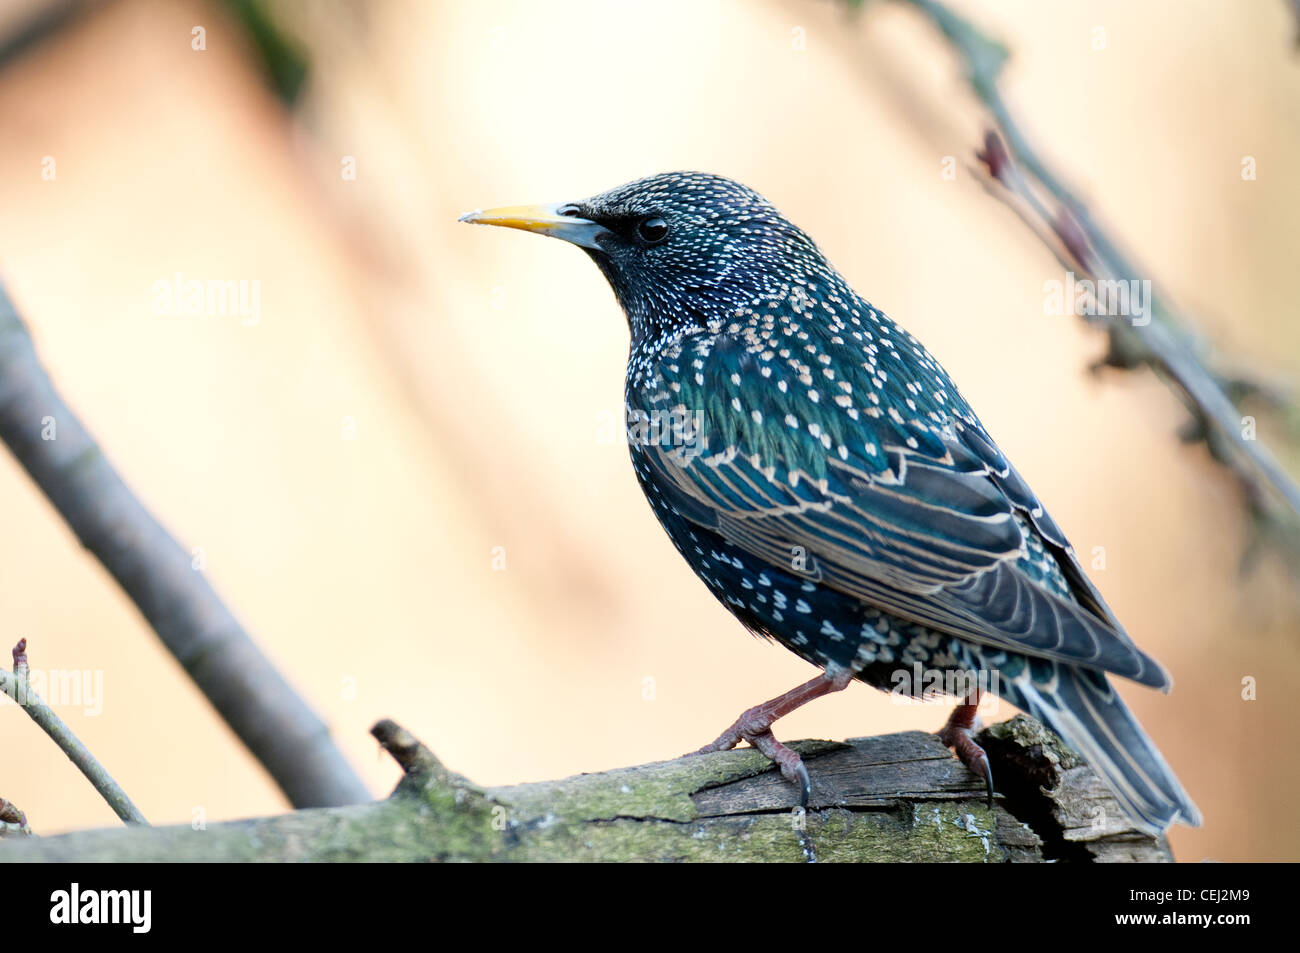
(278, 727)
(406, 749)
(14, 684)
(1019, 177)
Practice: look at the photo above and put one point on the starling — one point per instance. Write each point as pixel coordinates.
(823, 476)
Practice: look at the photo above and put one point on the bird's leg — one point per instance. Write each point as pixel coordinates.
(755, 727)
(959, 735)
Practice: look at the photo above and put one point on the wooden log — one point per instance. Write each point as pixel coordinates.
(899, 797)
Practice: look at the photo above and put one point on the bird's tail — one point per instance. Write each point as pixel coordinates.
(1083, 708)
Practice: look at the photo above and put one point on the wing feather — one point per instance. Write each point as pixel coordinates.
(939, 534)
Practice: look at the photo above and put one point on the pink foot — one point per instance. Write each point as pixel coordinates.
(755, 727)
(959, 735)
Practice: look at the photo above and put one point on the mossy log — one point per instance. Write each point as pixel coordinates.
(899, 797)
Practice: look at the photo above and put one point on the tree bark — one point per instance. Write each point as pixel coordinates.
(899, 797)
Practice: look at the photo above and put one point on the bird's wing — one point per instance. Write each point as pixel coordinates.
(924, 520)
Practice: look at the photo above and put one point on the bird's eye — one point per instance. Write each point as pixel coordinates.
(652, 230)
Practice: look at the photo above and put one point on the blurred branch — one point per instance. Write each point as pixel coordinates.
(892, 798)
(1022, 179)
(44, 20)
(14, 684)
(284, 60)
(278, 727)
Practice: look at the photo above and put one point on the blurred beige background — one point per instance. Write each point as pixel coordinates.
(482, 370)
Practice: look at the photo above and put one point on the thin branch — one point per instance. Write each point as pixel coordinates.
(278, 727)
(14, 684)
(1023, 180)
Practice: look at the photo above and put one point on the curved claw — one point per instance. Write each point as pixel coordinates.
(755, 727)
(792, 767)
(802, 778)
(959, 735)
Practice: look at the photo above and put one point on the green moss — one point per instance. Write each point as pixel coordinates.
(946, 832)
(644, 814)
(663, 793)
(1028, 733)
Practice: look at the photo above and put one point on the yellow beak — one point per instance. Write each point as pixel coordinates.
(544, 220)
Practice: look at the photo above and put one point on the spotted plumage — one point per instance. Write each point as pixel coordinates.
(824, 477)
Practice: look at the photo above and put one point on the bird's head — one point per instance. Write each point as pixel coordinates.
(678, 248)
